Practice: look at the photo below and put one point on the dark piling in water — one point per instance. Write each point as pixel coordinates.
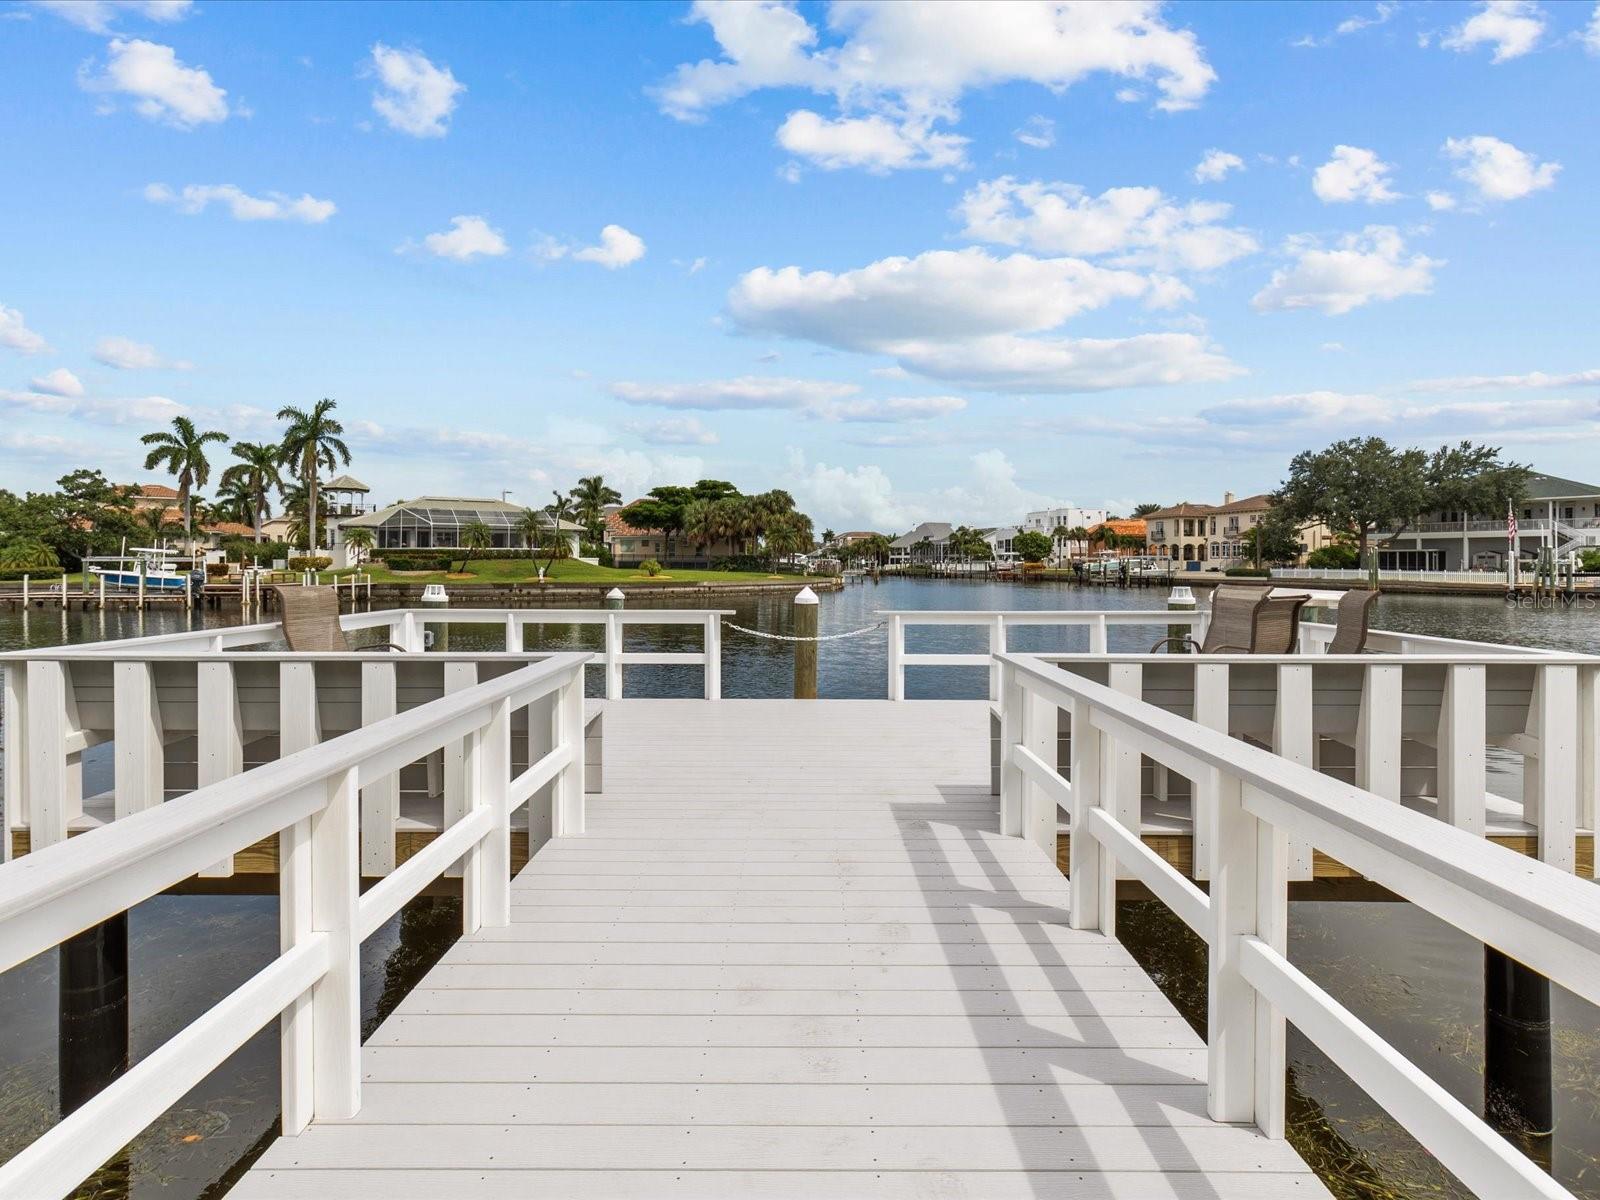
(1517, 1092)
(92, 1034)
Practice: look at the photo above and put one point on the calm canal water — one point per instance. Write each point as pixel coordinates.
(1417, 981)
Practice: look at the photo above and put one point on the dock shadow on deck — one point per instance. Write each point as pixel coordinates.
(791, 957)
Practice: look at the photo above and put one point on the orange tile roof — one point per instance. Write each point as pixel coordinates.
(1122, 526)
(617, 527)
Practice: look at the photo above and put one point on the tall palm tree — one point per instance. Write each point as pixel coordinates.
(183, 453)
(256, 474)
(475, 536)
(589, 500)
(530, 526)
(359, 539)
(314, 440)
(558, 510)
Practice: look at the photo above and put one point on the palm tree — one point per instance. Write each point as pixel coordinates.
(530, 527)
(183, 453)
(475, 536)
(255, 475)
(589, 500)
(360, 540)
(314, 440)
(234, 500)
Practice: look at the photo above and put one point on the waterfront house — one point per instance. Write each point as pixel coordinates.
(631, 545)
(1129, 535)
(1562, 515)
(1214, 536)
(999, 543)
(1069, 516)
(158, 497)
(928, 543)
(436, 522)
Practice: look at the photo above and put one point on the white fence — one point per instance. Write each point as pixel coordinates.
(1097, 622)
(309, 798)
(1256, 802)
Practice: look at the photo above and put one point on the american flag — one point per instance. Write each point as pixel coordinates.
(1511, 524)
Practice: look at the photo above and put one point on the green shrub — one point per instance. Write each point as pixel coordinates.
(414, 560)
(1249, 572)
(1589, 560)
(1335, 556)
(28, 555)
(310, 562)
(740, 562)
(650, 567)
(49, 576)
(216, 570)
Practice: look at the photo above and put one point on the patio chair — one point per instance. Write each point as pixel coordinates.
(1352, 622)
(311, 621)
(1232, 626)
(1277, 627)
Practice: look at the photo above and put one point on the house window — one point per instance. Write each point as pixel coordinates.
(1567, 512)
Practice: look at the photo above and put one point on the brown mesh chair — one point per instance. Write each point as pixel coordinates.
(1352, 622)
(311, 621)
(1233, 622)
(1277, 628)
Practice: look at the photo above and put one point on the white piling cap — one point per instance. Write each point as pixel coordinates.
(805, 596)
(434, 593)
(615, 594)
(1181, 594)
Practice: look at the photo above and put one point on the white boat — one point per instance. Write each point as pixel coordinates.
(156, 564)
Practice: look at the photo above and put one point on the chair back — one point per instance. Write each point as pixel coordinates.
(1277, 627)
(311, 619)
(1352, 622)
(1233, 619)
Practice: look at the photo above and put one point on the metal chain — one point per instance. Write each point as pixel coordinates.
(826, 637)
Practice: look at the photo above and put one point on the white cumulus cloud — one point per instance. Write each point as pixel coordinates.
(60, 382)
(848, 497)
(468, 237)
(616, 248)
(274, 206)
(1497, 170)
(162, 88)
(414, 95)
(874, 143)
(1353, 174)
(1590, 37)
(909, 65)
(1038, 132)
(125, 354)
(98, 16)
(674, 431)
(1358, 269)
(1440, 201)
(1139, 226)
(1215, 166)
(968, 317)
(15, 334)
(1512, 27)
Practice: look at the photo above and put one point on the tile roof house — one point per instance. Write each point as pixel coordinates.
(630, 545)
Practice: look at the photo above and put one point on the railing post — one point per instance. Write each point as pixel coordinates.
(1123, 780)
(297, 730)
(486, 881)
(1230, 1000)
(411, 634)
(458, 676)
(1085, 860)
(997, 646)
(336, 997)
(541, 740)
(55, 780)
(1211, 704)
(1039, 808)
(220, 737)
(1098, 638)
(1294, 738)
(513, 632)
(12, 717)
(1378, 732)
(1012, 699)
(1461, 783)
(1589, 749)
(1272, 927)
(897, 650)
(569, 820)
(1550, 785)
(139, 781)
(713, 648)
(613, 656)
(380, 799)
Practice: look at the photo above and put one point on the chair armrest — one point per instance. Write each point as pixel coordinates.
(1166, 641)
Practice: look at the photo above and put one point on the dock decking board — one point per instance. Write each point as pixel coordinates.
(791, 957)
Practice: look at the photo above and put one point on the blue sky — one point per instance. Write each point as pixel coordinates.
(938, 262)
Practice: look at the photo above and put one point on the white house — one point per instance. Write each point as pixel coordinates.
(1562, 515)
(1048, 520)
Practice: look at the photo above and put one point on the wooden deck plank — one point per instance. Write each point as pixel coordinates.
(791, 957)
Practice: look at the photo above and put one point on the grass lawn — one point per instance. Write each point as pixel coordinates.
(520, 570)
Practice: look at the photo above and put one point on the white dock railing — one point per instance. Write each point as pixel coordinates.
(309, 798)
(1542, 917)
(1097, 622)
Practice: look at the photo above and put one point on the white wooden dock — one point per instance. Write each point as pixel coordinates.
(791, 956)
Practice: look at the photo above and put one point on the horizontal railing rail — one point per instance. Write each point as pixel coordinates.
(309, 798)
(1098, 622)
(1542, 917)
(406, 627)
